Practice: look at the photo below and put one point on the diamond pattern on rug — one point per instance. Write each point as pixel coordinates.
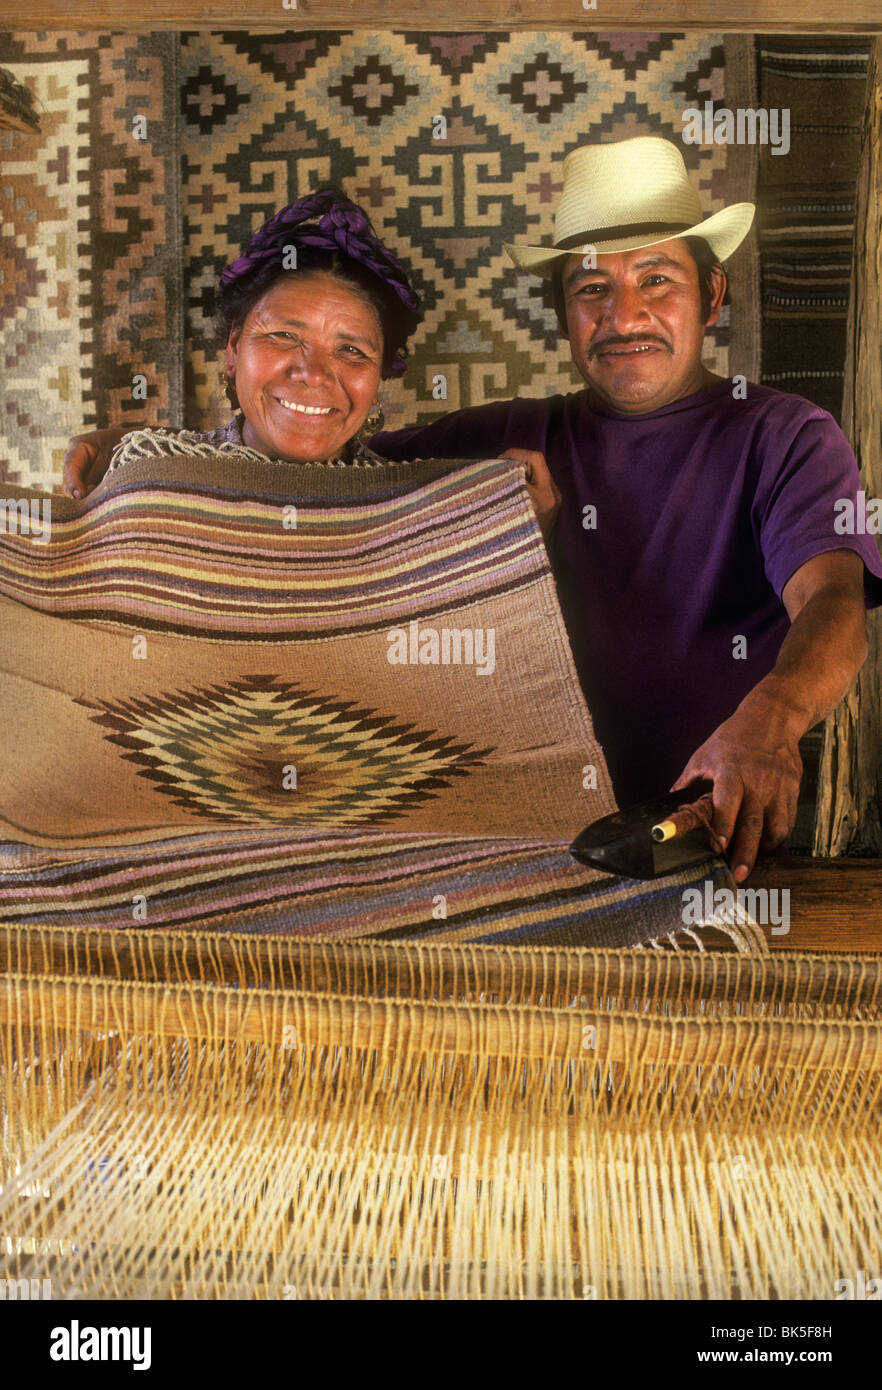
(208, 100)
(543, 88)
(373, 90)
(264, 750)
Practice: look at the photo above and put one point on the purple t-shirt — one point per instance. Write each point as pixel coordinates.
(704, 510)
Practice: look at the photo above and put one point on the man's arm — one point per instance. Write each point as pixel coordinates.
(477, 432)
(513, 429)
(753, 757)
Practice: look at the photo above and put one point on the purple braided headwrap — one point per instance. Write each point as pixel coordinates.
(338, 225)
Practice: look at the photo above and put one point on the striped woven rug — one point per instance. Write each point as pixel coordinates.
(806, 208)
(303, 698)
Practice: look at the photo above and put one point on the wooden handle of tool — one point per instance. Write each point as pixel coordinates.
(685, 818)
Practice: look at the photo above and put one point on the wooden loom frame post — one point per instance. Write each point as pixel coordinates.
(850, 777)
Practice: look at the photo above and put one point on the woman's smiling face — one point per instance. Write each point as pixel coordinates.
(306, 363)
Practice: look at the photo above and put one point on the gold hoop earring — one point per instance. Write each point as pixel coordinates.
(374, 422)
(228, 386)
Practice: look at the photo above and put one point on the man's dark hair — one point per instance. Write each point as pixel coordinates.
(705, 259)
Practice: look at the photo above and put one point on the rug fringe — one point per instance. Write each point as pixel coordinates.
(736, 923)
(741, 928)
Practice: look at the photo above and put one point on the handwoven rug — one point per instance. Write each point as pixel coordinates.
(110, 242)
(805, 216)
(269, 117)
(311, 698)
(805, 225)
(90, 246)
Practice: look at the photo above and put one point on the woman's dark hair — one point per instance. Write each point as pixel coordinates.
(705, 260)
(327, 232)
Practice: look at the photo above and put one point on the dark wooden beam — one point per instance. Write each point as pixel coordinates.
(834, 904)
(721, 16)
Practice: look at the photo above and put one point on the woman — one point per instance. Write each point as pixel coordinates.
(312, 316)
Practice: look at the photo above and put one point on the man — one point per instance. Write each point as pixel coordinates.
(715, 612)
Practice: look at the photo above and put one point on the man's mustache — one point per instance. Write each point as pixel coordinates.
(624, 342)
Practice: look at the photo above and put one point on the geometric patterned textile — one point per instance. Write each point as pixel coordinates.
(90, 254)
(112, 244)
(805, 217)
(805, 224)
(268, 117)
(389, 886)
(202, 747)
(367, 723)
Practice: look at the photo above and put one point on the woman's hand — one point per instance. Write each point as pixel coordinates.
(541, 486)
(86, 458)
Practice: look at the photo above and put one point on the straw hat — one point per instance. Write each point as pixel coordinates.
(626, 194)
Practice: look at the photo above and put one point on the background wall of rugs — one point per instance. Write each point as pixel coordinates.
(111, 243)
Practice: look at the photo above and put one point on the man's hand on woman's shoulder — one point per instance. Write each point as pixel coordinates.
(86, 459)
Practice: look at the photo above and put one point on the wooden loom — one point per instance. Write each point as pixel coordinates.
(192, 1116)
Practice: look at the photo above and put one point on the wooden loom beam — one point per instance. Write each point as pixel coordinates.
(718, 16)
(103, 1008)
(437, 971)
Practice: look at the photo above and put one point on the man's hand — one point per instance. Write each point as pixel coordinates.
(86, 458)
(541, 487)
(753, 758)
(754, 763)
